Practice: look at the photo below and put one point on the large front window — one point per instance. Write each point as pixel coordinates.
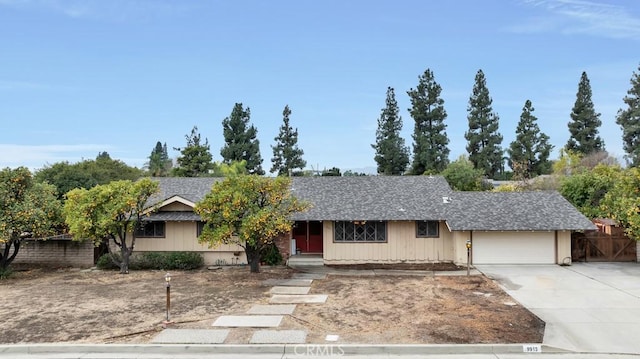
(360, 231)
(151, 230)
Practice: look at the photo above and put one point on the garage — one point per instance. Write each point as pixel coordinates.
(513, 247)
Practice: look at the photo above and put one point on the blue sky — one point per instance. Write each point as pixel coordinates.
(80, 77)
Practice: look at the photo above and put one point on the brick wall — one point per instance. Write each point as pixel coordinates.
(283, 242)
(63, 253)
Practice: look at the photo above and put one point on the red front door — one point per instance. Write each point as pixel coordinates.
(308, 236)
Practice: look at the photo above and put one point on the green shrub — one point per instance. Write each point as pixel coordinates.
(5, 273)
(149, 260)
(184, 260)
(271, 255)
(105, 262)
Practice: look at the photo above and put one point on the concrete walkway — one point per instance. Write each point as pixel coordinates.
(587, 307)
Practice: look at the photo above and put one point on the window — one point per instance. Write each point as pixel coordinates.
(151, 230)
(200, 227)
(359, 231)
(426, 229)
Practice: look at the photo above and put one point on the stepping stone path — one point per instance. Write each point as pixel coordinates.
(285, 294)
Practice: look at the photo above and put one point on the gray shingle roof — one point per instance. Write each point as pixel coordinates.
(178, 216)
(509, 211)
(396, 198)
(372, 197)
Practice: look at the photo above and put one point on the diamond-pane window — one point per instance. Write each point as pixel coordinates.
(360, 231)
(427, 229)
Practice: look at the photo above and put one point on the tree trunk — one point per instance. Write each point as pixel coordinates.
(7, 257)
(253, 257)
(126, 254)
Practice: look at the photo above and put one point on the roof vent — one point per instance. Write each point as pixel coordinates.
(446, 199)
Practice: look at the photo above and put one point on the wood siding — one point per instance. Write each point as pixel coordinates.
(401, 246)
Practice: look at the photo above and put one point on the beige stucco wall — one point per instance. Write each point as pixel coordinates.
(402, 246)
(460, 247)
(181, 237)
(176, 207)
(563, 247)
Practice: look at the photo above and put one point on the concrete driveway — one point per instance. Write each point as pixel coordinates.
(587, 307)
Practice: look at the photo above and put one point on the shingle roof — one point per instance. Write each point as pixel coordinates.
(178, 216)
(190, 188)
(372, 197)
(396, 198)
(514, 211)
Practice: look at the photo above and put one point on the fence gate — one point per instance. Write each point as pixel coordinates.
(596, 246)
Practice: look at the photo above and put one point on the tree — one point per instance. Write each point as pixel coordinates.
(86, 174)
(227, 170)
(392, 156)
(629, 121)
(622, 202)
(240, 140)
(530, 151)
(430, 151)
(195, 158)
(286, 154)
(483, 139)
(110, 212)
(250, 211)
(331, 172)
(27, 209)
(462, 176)
(584, 122)
(586, 189)
(159, 164)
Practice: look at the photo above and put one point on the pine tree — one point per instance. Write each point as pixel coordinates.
(430, 151)
(483, 139)
(530, 151)
(629, 121)
(286, 154)
(195, 159)
(392, 156)
(159, 163)
(584, 122)
(240, 140)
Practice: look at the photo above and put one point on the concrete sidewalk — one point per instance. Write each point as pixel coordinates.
(325, 270)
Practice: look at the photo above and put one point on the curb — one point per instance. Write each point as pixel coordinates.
(291, 349)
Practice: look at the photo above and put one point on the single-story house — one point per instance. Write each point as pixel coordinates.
(386, 219)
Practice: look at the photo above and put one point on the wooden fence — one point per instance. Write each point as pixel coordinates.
(596, 246)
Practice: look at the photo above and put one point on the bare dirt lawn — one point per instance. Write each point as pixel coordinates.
(68, 305)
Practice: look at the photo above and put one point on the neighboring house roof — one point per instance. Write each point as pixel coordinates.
(372, 197)
(192, 189)
(514, 211)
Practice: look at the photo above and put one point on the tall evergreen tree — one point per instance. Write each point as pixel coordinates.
(159, 163)
(430, 151)
(483, 139)
(392, 156)
(195, 158)
(240, 140)
(629, 121)
(286, 154)
(584, 122)
(531, 149)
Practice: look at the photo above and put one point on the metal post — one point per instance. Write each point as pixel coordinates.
(168, 300)
(468, 244)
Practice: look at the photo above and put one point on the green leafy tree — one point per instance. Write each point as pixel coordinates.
(463, 176)
(286, 154)
(430, 141)
(584, 122)
(86, 174)
(195, 158)
(250, 211)
(531, 149)
(622, 202)
(392, 156)
(586, 189)
(227, 170)
(110, 213)
(629, 121)
(333, 171)
(483, 139)
(159, 164)
(240, 140)
(27, 209)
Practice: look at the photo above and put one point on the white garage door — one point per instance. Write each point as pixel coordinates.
(513, 248)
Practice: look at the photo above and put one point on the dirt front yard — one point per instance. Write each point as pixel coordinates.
(41, 306)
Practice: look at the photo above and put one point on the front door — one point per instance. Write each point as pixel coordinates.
(308, 236)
